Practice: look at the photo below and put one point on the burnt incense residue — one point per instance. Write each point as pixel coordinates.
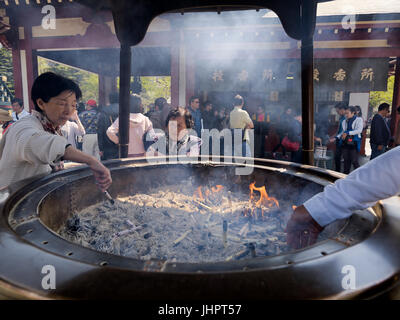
(185, 223)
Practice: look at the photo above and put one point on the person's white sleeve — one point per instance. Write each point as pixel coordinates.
(358, 127)
(344, 128)
(379, 179)
(112, 131)
(78, 130)
(40, 146)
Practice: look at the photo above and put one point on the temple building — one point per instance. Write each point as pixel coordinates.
(213, 55)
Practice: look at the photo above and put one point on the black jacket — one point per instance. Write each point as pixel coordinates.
(209, 120)
(106, 118)
(380, 133)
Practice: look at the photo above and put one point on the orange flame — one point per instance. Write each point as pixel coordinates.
(199, 192)
(264, 199)
(294, 207)
(217, 188)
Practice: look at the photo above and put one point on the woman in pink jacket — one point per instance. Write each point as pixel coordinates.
(139, 125)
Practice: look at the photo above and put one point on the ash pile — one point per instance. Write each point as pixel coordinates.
(185, 223)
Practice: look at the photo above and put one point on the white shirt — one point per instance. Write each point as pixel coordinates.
(26, 150)
(22, 114)
(70, 131)
(377, 180)
(357, 126)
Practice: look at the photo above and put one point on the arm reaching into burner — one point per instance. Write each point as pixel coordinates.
(379, 179)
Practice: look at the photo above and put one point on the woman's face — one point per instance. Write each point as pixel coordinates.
(177, 128)
(349, 114)
(60, 108)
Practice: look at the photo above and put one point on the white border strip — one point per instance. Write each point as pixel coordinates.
(24, 79)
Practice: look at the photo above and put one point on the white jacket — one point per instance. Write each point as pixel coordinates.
(26, 150)
(357, 127)
(377, 180)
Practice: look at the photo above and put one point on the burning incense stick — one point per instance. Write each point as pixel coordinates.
(108, 196)
(238, 255)
(202, 205)
(177, 241)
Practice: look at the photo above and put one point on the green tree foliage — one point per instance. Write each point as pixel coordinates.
(6, 68)
(155, 87)
(88, 81)
(377, 97)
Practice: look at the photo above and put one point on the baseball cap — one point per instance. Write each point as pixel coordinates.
(92, 103)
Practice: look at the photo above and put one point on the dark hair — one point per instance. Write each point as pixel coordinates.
(192, 98)
(398, 109)
(113, 97)
(341, 105)
(49, 85)
(383, 106)
(80, 107)
(20, 102)
(238, 100)
(352, 109)
(159, 102)
(359, 111)
(135, 103)
(296, 112)
(206, 103)
(180, 112)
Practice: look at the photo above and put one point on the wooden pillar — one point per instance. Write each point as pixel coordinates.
(308, 16)
(102, 90)
(175, 75)
(17, 72)
(106, 86)
(190, 76)
(396, 98)
(124, 97)
(31, 65)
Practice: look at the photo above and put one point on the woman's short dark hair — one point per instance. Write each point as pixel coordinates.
(359, 111)
(135, 103)
(181, 112)
(49, 85)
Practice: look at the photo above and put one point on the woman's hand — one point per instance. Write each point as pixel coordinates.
(74, 115)
(58, 166)
(101, 174)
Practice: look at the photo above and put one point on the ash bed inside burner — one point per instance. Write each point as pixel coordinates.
(185, 223)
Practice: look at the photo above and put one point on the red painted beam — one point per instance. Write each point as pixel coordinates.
(16, 61)
(396, 98)
(99, 36)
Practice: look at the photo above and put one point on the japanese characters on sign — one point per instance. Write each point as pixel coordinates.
(354, 75)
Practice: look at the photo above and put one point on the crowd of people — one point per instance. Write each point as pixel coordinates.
(94, 129)
(37, 143)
